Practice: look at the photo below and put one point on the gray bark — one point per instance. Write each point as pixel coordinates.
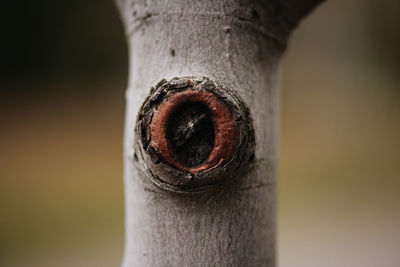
(237, 43)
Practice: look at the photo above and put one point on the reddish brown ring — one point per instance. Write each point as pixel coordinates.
(224, 129)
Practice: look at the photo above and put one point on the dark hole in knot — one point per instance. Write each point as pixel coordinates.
(190, 132)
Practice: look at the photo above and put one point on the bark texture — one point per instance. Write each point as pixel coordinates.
(238, 43)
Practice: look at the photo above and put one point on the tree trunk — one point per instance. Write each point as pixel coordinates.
(222, 213)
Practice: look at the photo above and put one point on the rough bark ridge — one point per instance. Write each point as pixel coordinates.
(238, 43)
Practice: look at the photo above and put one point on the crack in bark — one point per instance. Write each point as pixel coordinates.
(140, 21)
(255, 186)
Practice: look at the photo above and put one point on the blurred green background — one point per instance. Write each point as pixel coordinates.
(63, 75)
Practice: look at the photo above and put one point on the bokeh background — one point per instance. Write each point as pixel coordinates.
(63, 75)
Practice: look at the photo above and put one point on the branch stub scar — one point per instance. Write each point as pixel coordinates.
(193, 134)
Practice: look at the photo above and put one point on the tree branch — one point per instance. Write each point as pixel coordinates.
(201, 153)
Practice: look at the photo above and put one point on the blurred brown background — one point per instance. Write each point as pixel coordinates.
(63, 75)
